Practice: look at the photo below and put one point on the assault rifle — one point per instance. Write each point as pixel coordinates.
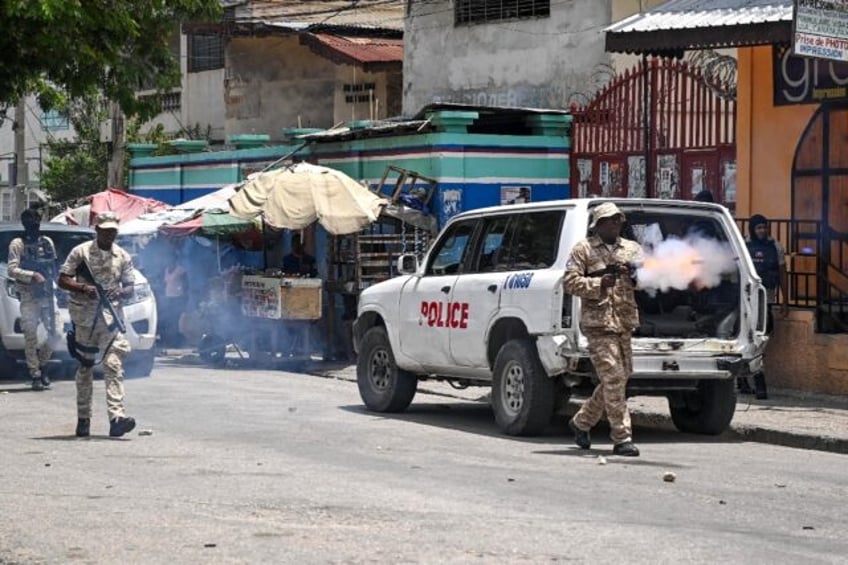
(615, 269)
(104, 304)
(41, 259)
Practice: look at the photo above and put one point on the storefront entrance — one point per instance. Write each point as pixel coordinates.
(820, 196)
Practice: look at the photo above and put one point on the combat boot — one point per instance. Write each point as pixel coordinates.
(45, 381)
(83, 427)
(120, 426)
(625, 449)
(581, 438)
(37, 384)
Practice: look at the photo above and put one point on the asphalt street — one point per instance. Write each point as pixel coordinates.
(246, 466)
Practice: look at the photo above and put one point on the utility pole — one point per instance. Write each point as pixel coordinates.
(115, 175)
(21, 169)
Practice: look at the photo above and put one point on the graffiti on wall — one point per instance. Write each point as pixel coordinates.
(451, 203)
(668, 177)
(636, 177)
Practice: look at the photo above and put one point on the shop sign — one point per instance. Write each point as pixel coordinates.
(801, 80)
(820, 29)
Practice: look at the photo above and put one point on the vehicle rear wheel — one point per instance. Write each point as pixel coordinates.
(707, 410)
(382, 385)
(139, 363)
(522, 393)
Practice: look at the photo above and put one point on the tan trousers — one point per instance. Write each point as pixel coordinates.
(612, 356)
(113, 370)
(33, 311)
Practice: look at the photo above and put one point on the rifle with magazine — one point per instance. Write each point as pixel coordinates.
(615, 269)
(40, 257)
(104, 306)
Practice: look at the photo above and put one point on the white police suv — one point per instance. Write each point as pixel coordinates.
(486, 307)
(139, 310)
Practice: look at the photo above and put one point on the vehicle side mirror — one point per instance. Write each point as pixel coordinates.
(407, 264)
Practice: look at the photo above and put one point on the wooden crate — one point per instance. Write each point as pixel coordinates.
(300, 302)
(281, 298)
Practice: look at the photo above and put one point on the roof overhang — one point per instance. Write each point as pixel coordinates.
(685, 25)
(372, 54)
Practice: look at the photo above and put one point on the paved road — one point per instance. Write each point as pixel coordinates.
(271, 467)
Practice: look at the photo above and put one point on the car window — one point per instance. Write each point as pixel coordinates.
(451, 250)
(651, 227)
(493, 246)
(534, 241)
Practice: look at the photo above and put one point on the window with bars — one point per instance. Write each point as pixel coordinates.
(469, 12)
(205, 53)
(359, 93)
(5, 205)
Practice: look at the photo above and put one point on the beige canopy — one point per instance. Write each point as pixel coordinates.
(294, 197)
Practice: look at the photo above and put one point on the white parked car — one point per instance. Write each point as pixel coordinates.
(487, 308)
(139, 311)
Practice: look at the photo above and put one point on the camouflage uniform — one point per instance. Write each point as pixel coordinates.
(37, 303)
(608, 319)
(110, 269)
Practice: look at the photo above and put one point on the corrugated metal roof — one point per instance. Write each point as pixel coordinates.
(300, 14)
(691, 14)
(365, 50)
(681, 25)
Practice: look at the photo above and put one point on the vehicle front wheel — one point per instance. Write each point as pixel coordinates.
(522, 393)
(382, 385)
(707, 410)
(139, 363)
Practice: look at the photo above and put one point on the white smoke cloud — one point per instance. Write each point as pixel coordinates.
(676, 263)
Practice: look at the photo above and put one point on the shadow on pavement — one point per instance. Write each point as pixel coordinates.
(477, 418)
(72, 437)
(21, 387)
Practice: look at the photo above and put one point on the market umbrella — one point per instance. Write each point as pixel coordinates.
(294, 197)
(210, 223)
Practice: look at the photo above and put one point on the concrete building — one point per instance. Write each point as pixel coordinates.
(517, 53)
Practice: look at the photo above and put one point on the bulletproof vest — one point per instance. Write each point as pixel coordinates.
(39, 256)
(764, 255)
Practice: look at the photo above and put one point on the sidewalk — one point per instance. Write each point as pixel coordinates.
(788, 418)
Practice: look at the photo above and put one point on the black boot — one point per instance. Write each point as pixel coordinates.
(581, 438)
(121, 425)
(83, 427)
(743, 385)
(760, 391)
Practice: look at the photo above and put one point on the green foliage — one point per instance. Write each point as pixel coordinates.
(51, 47)
(73, 169)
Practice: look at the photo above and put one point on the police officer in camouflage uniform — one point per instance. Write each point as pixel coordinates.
(600, 271)
(94, 331)
(32, 265)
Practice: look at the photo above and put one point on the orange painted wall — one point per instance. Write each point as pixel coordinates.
(767, 136)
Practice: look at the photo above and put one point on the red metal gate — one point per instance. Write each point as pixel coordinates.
(691, 145)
